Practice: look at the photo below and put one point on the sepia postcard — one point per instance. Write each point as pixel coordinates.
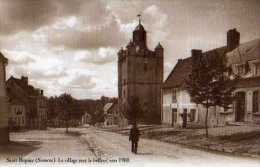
(130, 83)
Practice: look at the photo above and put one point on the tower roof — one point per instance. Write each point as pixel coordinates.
(159, 46)
(139, 27)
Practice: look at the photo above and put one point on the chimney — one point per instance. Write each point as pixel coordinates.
(233, 38)
(195, 54)
(24, 80)
(42, 92)
(179, 60)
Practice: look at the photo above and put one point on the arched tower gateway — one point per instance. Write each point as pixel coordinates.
(140, 77)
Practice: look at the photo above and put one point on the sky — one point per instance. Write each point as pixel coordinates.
(71, 46)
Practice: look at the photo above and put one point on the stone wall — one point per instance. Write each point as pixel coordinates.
(4, 107)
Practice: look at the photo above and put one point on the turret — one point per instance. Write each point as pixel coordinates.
(139, 35)
(159, 50)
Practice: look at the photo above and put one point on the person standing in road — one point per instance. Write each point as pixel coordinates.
(134, 137)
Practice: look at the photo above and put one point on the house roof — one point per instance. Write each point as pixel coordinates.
(29, 89)
(3, 58)
(107, 107)
(183, 68)
(179, 74)
(16, 95)
(245, 52)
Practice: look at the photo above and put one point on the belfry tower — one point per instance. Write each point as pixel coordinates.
(140, 76)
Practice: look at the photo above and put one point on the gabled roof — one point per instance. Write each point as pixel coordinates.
(179, 74)
(27, 89)
(107, 107)
(244, 52)
(182, 69)
(3, 58)
(16, 95)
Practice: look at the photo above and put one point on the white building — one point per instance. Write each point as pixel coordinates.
(112, 116)
(244, 59)
(4, 107)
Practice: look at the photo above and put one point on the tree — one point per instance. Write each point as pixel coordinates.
(67, 104)
(209, 83)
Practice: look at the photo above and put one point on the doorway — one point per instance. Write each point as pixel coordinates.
(240, 105)
(174, 116)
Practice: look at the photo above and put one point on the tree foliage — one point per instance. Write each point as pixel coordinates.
(209, 82)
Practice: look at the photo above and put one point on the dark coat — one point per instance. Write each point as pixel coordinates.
(134, 134)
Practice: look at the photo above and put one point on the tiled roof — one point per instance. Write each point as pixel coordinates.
(28, 90)
(182, 69)
(179, 74)
(245, 52)
(107, 107)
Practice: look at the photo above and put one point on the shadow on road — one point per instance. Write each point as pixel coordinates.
(18, 148)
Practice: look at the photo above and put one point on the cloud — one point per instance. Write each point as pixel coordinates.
(106, 35)
(29, 15)
(17, 15)
(99, 56)
(82, 82)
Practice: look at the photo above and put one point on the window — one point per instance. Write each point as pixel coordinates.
(257, 69)
(174, 97)
(192, 115)
(240, 69)
(255, 101)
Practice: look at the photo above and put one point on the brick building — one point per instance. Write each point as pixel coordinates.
(140, 75)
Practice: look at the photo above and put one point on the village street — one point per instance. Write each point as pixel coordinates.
(92, 143)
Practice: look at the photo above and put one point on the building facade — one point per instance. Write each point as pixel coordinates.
(244, 61)
(28, 105)
(4, 106)
(17, 116)
(112, 116)
(86, 118)
(140, 75)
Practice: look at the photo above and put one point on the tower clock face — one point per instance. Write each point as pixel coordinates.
(137, 48)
